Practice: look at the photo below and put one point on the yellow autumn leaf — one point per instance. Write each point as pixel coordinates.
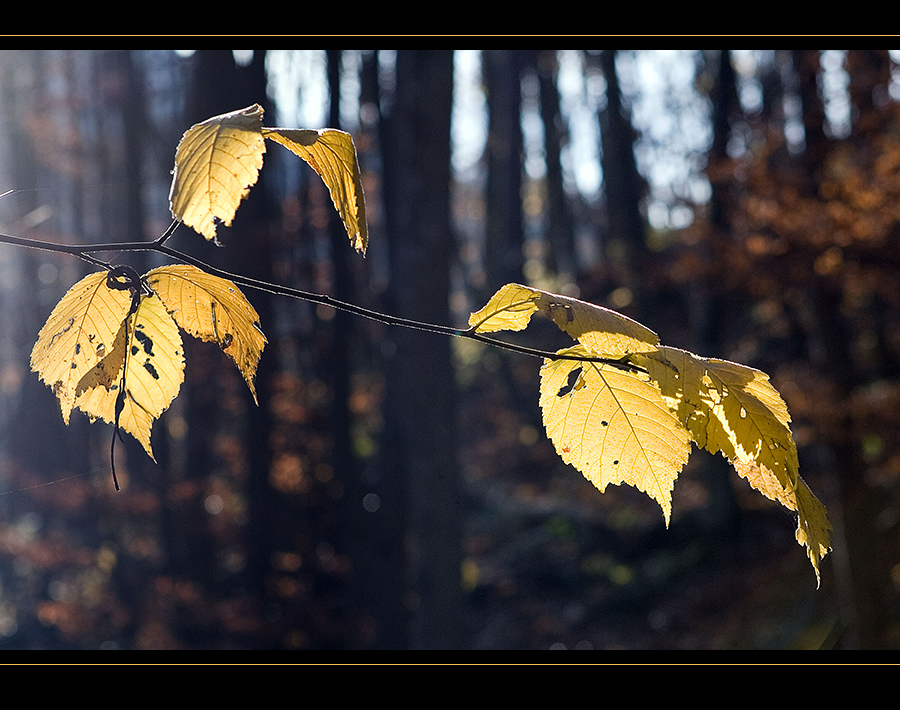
(734, 409)
(813, 527)
(332, 154)
(216, 164)
(604, 332)
(212, 309)
(612, 426)
(150, 359)
(78, 334)
(107, 372)
(510, 308)
(730, 408)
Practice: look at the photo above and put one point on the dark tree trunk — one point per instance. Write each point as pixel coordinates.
(381, 569)
(504, 230)
(560, 226)
(862, 567)
(724, 107)
(213, 91)
(222, 86)
(420, 446)
(338, 364)
(626, 244)
(807, 68)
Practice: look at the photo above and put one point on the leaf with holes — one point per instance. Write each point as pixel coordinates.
(150, 357)
(93, 345)
(602, 331)
(734, 409)
(612, 426)
(78, 334)
(632, 418)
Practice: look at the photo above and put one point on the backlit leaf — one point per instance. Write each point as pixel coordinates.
(612, 426)
(813, 526)
(510, 308)
(332, 154)
(216, 164)
(734, 409)
(78, 334)
(212, 309)
(107, 372)
(602, 331)
(150, 347)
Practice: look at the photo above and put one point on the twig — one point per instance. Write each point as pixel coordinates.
(158, 246)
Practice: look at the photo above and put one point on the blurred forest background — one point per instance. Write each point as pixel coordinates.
(395, 489)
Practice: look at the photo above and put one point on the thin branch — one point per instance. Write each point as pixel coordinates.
(158, 246)
(168, 233)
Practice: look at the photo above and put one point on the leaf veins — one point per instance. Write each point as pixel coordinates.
(216, 164)
(152, 377)
(615, 428)
(212, 309)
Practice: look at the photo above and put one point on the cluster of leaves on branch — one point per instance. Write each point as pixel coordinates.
(621, 408)
(113, 348)
(618, 406)
(219, 160)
